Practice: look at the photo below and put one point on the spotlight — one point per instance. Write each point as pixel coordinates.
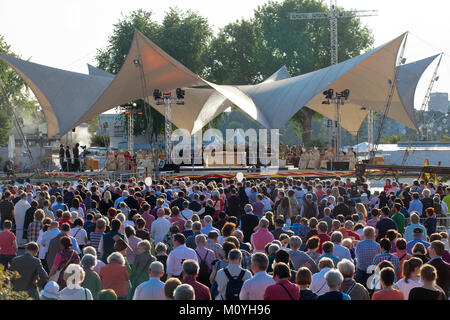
(136, 62)
(180, 93)
(328, 94)
(157, 94)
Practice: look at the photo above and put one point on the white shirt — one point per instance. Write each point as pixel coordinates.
(160, 227)
(79, 211)
(254, 288)
(45, 240)
(176, 258)
(405, 288)
(152, 289)
(318, 284)
(186, 214)
(79, 234)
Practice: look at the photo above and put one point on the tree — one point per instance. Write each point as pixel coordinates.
(249, 51)
(17, 94)
(6, 289)
(183, 35)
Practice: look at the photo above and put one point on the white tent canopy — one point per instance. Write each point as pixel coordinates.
(69, 99)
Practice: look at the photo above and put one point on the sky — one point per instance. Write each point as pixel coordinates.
(66, 34)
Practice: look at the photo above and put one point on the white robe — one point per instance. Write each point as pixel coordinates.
(20, 209)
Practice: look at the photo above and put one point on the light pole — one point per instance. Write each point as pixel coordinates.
(129, 110)
(166, 99)
(339, 100)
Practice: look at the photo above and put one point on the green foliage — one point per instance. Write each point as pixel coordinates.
(98, 140)
(391, 140)
(445, 139)
(6, 289)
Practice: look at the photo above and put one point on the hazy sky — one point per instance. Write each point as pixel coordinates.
(65, 34)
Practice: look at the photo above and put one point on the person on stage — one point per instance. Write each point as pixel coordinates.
(76, 157)
(68, 159)
(61, 157)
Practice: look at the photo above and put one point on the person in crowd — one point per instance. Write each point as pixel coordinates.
(283, 289)
(254, 288)
(115, 275)
(384, 224)
(388, 291)
(365, 252)
(417, 238)
(91, 279)
(190, 272)
(328, 252)
(401, 253)
(334, 280)
(32, 273)
(303, 280)
(436, 250)
(415, 223)
(349, 286)
(312, 247)
(184, 292)
(74, 290)
(385, 245)
(176, 257)
(141, 263)
(319, 285)
(411, 276)
(429, 290)
(153, 288)
(63, 259)
(8, 245)
(299, 258)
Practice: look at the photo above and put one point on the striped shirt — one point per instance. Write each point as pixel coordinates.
(95, 238)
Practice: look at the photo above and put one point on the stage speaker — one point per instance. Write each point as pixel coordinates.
(338, 166)
(171, 167)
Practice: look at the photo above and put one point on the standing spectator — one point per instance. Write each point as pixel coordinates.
(31, 271)
(299, 258)
(427, 202)
(63, 259)
(319, 285)
(411, 276)
(429, 290)
(339, 251)
(398, 218)
(384, 224)
(430, 222)
(349, 286)
(365, 252)
(160, 227)
(115, 275)
(254, 288)
(409, 231)
(153, 288)
(176, 257)
(388, 292)
(283, 289)
(401, 253)
(249, 221)
(91, 278)
(8, 244)
(385, 245)
(417, 238)
(190, 272)
(106, 245)
(16, 214)
(334, 280)
(205, 258)
(233, 272)
(75, 292)
(262, 237)
(303, 280)
(436, 250)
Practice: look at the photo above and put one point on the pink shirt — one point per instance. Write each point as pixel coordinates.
(180, 222)
(7, 239)
(148, 220)
(260, 238)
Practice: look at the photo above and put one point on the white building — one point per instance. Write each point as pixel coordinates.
(439, 102)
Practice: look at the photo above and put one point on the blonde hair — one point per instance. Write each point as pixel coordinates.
(145, 245)
(361, 208)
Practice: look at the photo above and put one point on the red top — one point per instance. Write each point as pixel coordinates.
(388, 295)
(7, 239)
(323, 238)
(180, 222)
(65, 220)
(114, 276)
(148, 220)
(277, 292)
(201, 291)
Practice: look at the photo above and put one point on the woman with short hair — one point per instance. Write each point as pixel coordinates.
(420, 252)
(303, 280)
(429, 290)
(91, 279)
(387, 292)
(349, 286)
(74, 275)
(334, 280)
(115, 276)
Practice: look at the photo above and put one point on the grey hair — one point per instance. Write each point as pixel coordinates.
(184, 292)
(156, 267)
(346, 267)
(273, 248)
(160, 247)
(248, 207)
(116, 256)
(121, 217)
(208, 219)
(334, 278)
(336, 237)
(190, 267)
(234, 255)
(238, 234)
(260, 260)
(264, 223)
(89, 261)
(90, 250)
(295, 242)
(200, 238)
(369, 232)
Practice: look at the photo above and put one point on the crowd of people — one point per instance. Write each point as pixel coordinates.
(259, 239)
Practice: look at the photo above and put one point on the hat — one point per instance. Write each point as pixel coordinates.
(119, 244)
(417, 230)
(51, 290)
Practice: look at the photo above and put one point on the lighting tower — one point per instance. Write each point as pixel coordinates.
(166, 99)
(130, 109)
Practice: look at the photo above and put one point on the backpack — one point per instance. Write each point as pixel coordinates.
(234, 285)
(204, 270)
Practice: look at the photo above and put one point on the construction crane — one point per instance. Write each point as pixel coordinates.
(333, 15)
(401, 60)
(426, 99)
